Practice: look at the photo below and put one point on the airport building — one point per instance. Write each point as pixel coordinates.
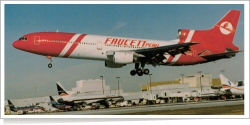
(194, 81)
(93, 87)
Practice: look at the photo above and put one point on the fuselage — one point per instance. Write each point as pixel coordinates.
(237, 90)
(95, 47)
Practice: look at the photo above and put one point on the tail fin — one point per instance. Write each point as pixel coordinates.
(51, 99)
(225, 82)
(12, 107)
(227, 26)
(218, 39)
(61, 90)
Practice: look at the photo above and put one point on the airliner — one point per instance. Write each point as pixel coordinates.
(229, 88)
(191, 46)
(26, 109)
(74, 99)
(58, 105)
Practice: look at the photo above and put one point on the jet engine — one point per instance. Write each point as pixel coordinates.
(113, 65)
(60, 100)
(182, 34)
(123, 57)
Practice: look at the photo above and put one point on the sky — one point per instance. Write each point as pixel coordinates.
(27, 75)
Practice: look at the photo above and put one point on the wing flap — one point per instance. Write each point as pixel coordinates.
(171, 49)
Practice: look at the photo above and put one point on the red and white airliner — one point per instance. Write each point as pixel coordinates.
(191, 47)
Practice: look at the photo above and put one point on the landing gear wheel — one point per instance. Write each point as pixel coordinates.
(132, 72)
(49, 65)
(50, 58)
(146, 71)
(139, 72)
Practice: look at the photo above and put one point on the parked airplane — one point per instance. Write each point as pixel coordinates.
(26, 109)
(59, 106)
(229, 88)
(191, 47)
(73, 98)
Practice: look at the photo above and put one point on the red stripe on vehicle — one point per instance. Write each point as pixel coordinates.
(75, 44)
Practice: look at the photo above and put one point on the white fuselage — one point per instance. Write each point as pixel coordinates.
(96, 47)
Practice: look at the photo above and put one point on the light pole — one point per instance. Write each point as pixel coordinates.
(118, 86)
(200, 79)
(150, 83)
(35, 91)
(222, 71)
(102, 86)
(16, 91)
(182, 78)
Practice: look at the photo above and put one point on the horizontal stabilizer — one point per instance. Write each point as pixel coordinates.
(212, 57)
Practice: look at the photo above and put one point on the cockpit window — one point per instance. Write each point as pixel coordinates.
(24, 39)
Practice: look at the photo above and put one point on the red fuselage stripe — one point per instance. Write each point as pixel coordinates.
(75, 44)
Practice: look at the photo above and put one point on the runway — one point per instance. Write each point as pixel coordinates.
(148, 108)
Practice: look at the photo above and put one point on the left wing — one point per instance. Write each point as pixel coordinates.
(156, 55)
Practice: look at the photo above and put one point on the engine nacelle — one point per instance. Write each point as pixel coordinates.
(113, 65)
(182, 34)
(123, 57)
(60, 100)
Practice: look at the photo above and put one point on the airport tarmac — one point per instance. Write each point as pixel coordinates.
(148, 108)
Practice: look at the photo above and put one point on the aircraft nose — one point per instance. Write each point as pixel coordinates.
(16, 44)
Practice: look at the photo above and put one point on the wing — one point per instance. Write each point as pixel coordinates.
(91, 101)
(156, 55)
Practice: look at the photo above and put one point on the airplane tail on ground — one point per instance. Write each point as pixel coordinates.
(12, 107)
(51, 99)
(225, 82)
(61, 90)
(217, 42)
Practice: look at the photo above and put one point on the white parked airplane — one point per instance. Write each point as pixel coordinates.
(71, 98)
(229, 88)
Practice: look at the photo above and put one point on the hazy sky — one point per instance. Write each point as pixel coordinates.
(25, 71)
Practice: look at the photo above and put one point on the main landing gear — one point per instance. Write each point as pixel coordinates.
(50, 58)
(139, 71)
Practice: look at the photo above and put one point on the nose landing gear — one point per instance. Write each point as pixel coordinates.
(50, 58)
(50, 65)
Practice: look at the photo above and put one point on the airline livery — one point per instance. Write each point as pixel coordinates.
(74, 99)
(230, 88)
(26, 109)
(191, 47)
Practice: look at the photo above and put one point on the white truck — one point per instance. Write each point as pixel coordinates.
(126, 103)
(151, 98)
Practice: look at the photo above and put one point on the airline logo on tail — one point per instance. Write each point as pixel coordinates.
(10, 104)
(51, 99)
(61, 91)
(226, 28)
(230, 83)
